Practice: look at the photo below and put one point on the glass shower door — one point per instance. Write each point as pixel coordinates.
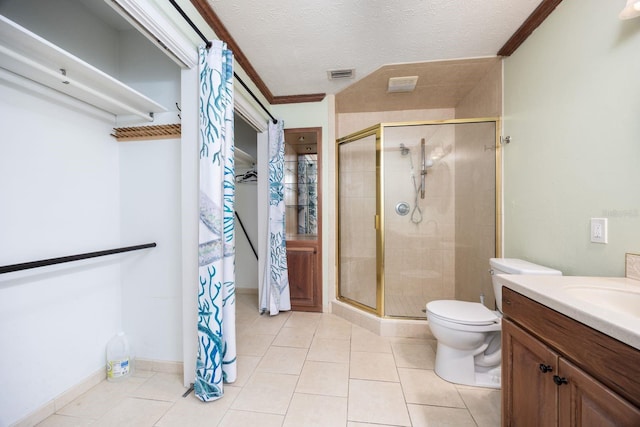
(418, 208)
(357, 248)
(439, 192)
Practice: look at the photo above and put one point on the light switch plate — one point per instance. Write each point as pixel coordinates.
(599, 230)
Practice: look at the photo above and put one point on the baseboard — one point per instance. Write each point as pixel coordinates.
(52, 406)
(159, 366)
(63, 399)
(250, 291)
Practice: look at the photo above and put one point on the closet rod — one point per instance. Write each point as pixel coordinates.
(60, 260)
(247, 235)
(208, 44)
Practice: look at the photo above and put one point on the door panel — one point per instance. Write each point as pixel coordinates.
(530, 395)
(586, 402)
(303, 272)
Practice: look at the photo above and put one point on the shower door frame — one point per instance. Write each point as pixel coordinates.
(379, 219)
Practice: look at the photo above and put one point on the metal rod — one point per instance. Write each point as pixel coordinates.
(247, 235)
(60, 260)
(190, 22)
(423, 168)
(208, 44)
(189, 390)
(254, 97)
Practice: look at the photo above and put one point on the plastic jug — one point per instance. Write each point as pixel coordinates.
(119, 360)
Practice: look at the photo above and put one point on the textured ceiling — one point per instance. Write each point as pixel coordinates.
(293, 43)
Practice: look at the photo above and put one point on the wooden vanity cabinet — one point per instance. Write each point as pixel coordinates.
(559, 372)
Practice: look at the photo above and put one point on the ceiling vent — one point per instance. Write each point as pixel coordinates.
(402, 84)
(341, 74)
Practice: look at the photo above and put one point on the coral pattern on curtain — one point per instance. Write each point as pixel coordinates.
(216, 362)
(275, 295)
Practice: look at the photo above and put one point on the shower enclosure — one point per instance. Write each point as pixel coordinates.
(418, 214)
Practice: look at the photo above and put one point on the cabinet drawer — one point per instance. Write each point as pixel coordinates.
(615, 364)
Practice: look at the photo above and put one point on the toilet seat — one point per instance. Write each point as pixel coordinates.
(462, 312)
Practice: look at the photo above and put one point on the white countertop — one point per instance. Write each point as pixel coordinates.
(566, 294)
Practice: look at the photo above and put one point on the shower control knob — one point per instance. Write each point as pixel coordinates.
(402, 208)
(545, 368)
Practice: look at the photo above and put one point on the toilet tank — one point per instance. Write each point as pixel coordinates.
(515, 266)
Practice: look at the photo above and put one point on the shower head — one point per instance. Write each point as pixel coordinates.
(404, 150)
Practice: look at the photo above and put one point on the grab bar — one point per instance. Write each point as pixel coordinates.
(60, 260)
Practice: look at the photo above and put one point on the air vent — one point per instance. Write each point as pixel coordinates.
(341, 74)
(402, 84)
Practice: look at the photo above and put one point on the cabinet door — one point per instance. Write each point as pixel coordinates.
(529, 395)
(304, 286)
(588, 403)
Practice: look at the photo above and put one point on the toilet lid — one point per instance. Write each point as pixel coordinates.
(469, 313)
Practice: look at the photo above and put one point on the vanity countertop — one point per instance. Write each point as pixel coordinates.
(610, 305)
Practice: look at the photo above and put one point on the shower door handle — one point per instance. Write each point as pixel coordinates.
(376, 222)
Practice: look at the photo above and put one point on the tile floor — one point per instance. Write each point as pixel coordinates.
(297, 369)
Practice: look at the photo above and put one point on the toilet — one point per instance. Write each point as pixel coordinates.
(468, 333)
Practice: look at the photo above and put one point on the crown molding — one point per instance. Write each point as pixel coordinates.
(296, 99)
(534, 20)
(204, 8)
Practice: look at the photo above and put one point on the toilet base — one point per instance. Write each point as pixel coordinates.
(489, 379)
(456, 366)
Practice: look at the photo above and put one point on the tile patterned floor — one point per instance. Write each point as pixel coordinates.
(298, 369)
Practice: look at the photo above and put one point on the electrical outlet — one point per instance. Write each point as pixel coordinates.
(599, 230)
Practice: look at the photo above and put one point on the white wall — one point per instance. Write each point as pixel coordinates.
(246, 206)
(572, 110)
(67, 187)
(151, 279)
(189, 150)
(246, 261)
(148, 70)
(59, 192)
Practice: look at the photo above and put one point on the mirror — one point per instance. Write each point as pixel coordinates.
(301, 183)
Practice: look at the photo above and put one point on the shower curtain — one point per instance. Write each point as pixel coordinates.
(275, 287)
(216, 360)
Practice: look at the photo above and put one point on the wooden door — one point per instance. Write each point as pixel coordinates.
(303, 203)
(529, 395)
(585, 402)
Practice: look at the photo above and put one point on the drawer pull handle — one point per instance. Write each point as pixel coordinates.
(559, 380)
(545, 368)
(506, 301)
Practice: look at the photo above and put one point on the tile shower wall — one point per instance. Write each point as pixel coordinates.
(472, 277)
(475, 200)
(419, 246)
